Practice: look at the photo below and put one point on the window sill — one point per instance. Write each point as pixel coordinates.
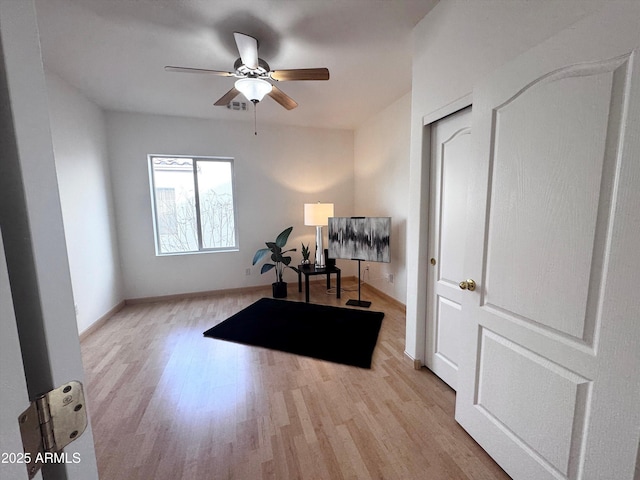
(201, 252)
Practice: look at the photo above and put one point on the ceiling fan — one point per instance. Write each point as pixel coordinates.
(253, 72)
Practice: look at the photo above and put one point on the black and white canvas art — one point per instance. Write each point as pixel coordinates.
(360, 238)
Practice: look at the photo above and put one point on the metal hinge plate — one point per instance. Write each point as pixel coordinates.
(52, 421)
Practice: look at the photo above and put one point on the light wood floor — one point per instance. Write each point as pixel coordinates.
(167, 403)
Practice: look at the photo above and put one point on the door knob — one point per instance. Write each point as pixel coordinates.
(468, 284)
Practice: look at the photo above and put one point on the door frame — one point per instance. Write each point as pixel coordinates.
(14, 387)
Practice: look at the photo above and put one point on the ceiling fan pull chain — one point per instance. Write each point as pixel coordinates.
(255, 119)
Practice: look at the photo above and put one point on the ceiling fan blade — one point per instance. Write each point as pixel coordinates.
(301, 74)
(170, 68)
(248, 49)
(227, 97)
(282, 98)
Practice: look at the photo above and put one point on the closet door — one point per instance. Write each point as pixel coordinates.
(549, 383)
(450, 144)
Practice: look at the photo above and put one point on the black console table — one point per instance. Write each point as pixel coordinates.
(310, 269)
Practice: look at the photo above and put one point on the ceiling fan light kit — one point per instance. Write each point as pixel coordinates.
(253, 88)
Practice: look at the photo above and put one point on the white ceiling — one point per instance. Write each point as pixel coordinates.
(114, 51)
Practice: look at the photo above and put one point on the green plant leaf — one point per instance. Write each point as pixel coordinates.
(273, 247)
(281, 241)
(260, 254)
(286, 260)
(266, 267)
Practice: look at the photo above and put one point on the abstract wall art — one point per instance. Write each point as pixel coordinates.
(360, 238)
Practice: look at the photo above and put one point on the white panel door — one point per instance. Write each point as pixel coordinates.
(549, 380)
(450, 144)
(33, 235)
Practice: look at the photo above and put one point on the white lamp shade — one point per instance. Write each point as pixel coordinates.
(253, 88)
(317, 214)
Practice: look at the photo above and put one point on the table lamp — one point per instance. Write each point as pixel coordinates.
(317, 215)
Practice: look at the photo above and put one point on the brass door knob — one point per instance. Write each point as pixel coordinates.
(468, 284)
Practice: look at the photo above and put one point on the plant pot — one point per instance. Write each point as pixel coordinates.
(279, 289)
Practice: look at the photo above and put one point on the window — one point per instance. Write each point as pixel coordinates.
(193, 204)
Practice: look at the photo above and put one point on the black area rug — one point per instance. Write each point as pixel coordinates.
(341, 335)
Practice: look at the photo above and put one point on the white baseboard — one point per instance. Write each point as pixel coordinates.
(102, 320)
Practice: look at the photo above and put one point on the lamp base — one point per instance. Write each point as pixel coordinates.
(319, 249)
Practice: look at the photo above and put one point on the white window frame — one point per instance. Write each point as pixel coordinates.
(201, 248)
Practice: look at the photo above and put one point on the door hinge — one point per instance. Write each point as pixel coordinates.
(52, 421)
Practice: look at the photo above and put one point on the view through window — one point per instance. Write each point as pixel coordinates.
(193, 204)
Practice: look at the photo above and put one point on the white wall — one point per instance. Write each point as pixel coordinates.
(79, 142)
(381, 166)
(276, 172)
(457, 43)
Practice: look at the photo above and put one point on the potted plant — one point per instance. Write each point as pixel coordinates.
(305, 254)
(279, 259)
